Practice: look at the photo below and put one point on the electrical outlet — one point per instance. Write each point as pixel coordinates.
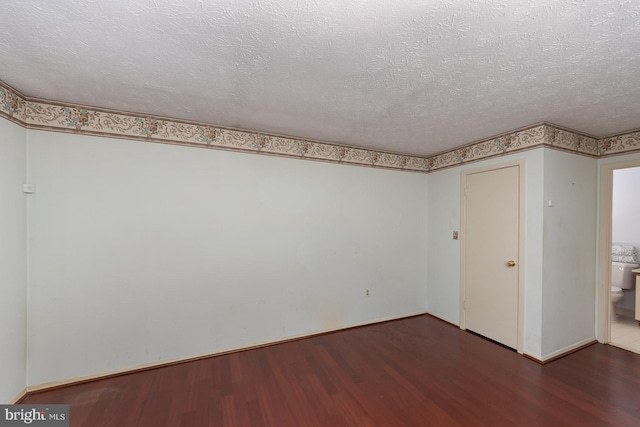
(455, 235)
(367, 292)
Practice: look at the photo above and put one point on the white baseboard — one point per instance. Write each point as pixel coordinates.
(18, 397)
(444, 319)
(559, 353)
(165, 362)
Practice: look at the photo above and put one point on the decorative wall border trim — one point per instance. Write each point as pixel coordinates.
(33, 113)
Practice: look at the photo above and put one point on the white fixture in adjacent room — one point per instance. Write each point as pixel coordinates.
(622, 278)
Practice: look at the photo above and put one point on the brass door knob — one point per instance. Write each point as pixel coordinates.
(511, 263)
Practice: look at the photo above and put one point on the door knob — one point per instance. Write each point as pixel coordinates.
(511, 263)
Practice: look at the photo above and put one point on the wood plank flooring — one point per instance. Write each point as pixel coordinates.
(417, 371)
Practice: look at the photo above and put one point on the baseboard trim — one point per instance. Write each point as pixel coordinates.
(40, 388)
(562, 352)
(534, 358)
(445, 320)
(18, 397)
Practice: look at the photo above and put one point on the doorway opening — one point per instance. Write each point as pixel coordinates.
(619, 253)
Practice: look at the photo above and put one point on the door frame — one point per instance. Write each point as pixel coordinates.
(605, 222)
(521, 163)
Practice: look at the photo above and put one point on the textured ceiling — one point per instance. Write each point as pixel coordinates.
(398, 75)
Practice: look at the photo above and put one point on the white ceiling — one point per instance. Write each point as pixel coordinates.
(407, 76)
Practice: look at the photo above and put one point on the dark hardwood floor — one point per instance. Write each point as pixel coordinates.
(417, 371)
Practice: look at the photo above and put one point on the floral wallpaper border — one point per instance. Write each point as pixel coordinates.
(34, 113)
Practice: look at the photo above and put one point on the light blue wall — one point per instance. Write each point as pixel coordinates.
(13, 261)
(569, 237)
(145, 252)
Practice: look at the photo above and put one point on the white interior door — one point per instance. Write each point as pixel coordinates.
(491, 258)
